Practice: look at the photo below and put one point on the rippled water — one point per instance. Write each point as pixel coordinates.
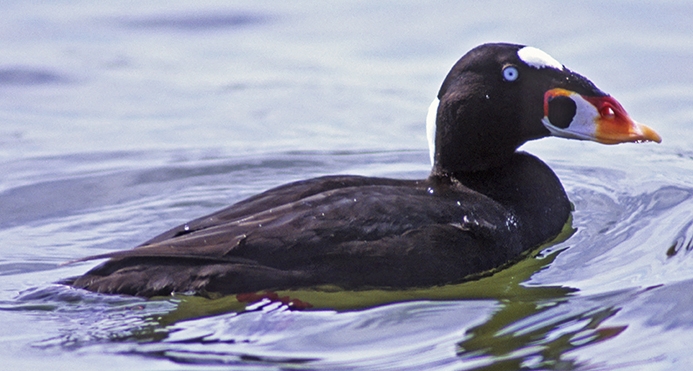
(122, 120)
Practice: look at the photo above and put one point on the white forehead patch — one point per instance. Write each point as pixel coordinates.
(538, 58)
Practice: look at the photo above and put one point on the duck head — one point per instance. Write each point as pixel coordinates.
(499, 96)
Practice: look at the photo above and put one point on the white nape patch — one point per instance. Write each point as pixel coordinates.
(538, 58)
(431, 128)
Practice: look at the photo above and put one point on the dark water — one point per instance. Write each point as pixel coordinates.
(120, 120)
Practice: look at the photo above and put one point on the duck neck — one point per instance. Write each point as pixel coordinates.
(471, 140)
(527, 187)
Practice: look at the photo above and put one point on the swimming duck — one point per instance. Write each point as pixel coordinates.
(483, 205)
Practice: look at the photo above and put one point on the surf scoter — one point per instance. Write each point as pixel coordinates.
(483, 204)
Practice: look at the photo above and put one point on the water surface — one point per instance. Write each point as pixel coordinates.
(120, 120)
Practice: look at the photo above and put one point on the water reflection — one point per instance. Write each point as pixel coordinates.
(683, 241)
(540, 334)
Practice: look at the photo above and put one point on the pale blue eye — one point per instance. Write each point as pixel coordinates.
(510, 73)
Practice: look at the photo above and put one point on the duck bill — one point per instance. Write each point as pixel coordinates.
(597, 118)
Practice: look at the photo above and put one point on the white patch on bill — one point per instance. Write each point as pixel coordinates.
(537, 58)
(583, 126)
(431, 128)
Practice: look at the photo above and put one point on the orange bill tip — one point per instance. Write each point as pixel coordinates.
(613, 124)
